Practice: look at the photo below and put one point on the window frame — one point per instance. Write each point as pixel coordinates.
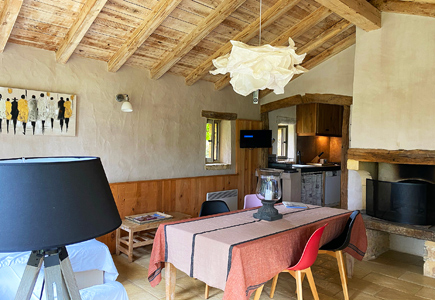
(284, 144)
(215, 142)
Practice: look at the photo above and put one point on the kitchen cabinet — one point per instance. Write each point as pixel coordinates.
(319, 119)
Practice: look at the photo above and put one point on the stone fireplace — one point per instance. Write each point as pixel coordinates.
(403, 194)
(397, 191)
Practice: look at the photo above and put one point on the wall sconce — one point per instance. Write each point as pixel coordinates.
(126, 105)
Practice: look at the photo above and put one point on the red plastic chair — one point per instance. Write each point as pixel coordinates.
(303, 266)
(251, 200)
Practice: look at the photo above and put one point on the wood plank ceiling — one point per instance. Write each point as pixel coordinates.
(181, 36)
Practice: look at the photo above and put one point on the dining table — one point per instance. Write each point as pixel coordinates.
(238, 253)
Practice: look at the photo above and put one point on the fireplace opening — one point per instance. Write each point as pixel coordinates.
(408, 201)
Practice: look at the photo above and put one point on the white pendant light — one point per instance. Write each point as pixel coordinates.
(255, 68)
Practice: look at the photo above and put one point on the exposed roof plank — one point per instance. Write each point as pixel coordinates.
(305, 24)
(325, 55)
(88, 13)
(425, 8)
(268, 17)
(224, 9)
(11, 9)
(153, 20)
(324, 36)
(359, 12)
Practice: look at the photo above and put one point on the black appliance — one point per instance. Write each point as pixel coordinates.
(255, 138)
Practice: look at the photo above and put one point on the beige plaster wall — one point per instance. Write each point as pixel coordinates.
(334, 76)
(394, 85)
(162, 138)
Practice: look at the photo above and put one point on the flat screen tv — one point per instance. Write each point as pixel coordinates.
(255, 138)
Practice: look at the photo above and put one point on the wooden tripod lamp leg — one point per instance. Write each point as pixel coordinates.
(30, 275)
(68, 275)
(53, 278)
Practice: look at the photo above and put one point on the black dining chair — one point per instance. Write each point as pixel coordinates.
(335, 249)
(213, 207)
(208, 208)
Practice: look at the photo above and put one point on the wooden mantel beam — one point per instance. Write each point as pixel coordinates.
(86, 17)
(359, 12)
(208, 24)
(268, 17)
(150, 23)
(415, 157)
(9, 14)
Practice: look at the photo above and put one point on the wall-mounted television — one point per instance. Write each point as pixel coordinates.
(255, 138)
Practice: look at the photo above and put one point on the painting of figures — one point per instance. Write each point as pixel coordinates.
(31, 112)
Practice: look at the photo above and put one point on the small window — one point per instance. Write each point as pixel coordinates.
(212, 141)
(282, 143)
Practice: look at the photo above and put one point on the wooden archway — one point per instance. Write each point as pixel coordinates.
(345, 101)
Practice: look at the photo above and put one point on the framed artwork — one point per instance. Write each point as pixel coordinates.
(31, 112)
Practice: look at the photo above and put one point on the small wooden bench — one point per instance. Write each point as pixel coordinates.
(140, 235)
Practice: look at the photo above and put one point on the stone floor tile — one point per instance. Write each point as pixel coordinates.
(393, 294)
(386, 278)
(418, 279)
(364, 286)
(426, 293)
(393, 283)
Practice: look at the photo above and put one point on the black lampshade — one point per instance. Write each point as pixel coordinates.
(54, 201)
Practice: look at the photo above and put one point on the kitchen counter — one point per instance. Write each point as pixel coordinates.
(304, 168)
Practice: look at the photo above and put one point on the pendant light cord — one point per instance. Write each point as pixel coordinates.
(259, 34)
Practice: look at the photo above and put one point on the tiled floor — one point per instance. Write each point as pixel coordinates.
(393, 276)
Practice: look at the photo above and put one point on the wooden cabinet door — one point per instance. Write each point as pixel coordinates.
(306, 119)
(329, 119)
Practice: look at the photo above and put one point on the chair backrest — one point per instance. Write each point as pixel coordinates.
(213, 207)
(311, 249)
(252, 200)
(342, 241)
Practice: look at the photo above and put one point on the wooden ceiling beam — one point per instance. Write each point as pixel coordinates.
(282, 103)
(359, 12)
(153, 20)
(268, 17)
(308, 47)
(328, 99)
(424, 8)
(208, 24)
(306, 99)
(9, 14)
(321, 57)
(86, 17)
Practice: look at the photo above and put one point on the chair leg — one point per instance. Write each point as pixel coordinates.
(342, 270)
(258, 292)
(311, 282)
(207, 290)
(298, 276)
(274, 281)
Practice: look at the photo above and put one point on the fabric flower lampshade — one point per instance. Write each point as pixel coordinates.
(255, 68)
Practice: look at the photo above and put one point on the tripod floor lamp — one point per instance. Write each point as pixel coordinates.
(46, 204)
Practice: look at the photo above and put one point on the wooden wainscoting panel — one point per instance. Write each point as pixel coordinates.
(247, 160)
(179, 194)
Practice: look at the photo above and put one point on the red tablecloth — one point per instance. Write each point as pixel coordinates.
(237, 253)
